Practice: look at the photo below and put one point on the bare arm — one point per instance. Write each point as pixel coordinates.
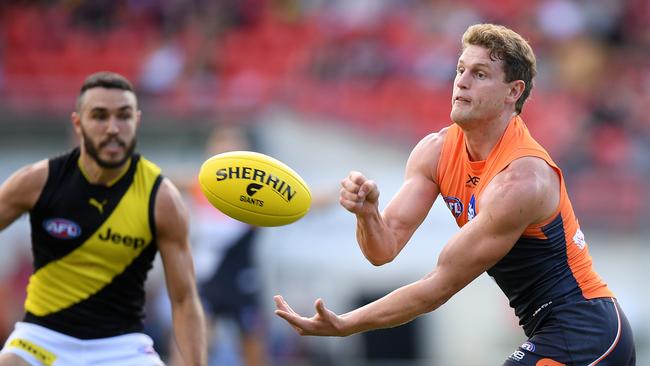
(524, 193)
(381, 236)
(19, 193)
(173, 243)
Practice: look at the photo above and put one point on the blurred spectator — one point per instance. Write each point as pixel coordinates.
(96, 15)
(162, 68)
(382, 65)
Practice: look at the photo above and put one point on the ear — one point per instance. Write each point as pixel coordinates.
(138, 116)
(516, 89)
(75, 118)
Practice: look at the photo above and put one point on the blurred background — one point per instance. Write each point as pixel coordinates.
(329, 86)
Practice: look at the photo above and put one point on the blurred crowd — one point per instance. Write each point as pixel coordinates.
(383, 66)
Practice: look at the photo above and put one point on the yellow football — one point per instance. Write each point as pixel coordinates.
(254, 188)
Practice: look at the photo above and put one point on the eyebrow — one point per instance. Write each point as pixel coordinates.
(120, 109)
(478, 64)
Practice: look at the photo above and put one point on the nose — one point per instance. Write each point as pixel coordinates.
(111, 126)
(463, 80)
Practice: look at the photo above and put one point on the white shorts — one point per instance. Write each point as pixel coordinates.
(40, 346)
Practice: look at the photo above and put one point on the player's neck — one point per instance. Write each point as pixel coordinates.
(98, 175)
(481, 138)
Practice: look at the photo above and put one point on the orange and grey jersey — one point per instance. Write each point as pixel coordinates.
(92, 246)
(550, 263)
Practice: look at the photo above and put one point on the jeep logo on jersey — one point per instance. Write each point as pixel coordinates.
(455, 205)
(117, 238)
(62, 228)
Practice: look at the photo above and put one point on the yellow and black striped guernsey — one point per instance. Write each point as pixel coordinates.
(93, 246)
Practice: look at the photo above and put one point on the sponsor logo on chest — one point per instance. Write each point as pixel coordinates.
(113, 237)
(472, 181)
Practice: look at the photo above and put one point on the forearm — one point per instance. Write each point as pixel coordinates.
(190, 332)
(398, 307)
(376, 240)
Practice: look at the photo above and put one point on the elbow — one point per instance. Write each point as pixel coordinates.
(379, 260)
(377, 263)
(380, 253)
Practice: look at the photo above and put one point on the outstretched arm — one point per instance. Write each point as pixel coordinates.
(524, 193)
(381, 236)
(172, 236)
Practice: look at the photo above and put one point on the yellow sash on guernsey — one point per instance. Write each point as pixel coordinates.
(106, 254)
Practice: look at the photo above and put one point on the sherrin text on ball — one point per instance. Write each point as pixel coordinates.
(254, 188)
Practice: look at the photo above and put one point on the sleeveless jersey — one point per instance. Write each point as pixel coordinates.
(92, 246)
(550, 263)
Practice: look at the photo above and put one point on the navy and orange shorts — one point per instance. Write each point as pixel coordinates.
(588, 332)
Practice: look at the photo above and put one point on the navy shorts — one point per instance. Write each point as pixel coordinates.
(588, 332)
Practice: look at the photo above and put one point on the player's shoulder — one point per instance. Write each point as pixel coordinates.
(521, 170)
(168, 193)
(432, 143)
(527, 177)
(170, 213)
(434, 138)
(33, 175)
(40, 167)
(169, 201)
(26, 184)
(529, 169)
(425, 155)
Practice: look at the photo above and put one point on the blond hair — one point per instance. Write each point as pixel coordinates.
(507, 45)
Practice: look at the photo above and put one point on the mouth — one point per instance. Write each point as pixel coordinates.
(462, 99)
(112, 145)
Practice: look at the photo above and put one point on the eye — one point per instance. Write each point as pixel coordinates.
(124, 115)
(99, 115)
(460, 70)
(481, 75)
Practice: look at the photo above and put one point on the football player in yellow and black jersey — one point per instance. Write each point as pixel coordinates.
(98, 215)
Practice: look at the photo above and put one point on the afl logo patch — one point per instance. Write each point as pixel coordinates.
(62, 228)
(455, 205)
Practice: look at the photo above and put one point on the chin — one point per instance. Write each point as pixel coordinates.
(458, 117)
(112, 162)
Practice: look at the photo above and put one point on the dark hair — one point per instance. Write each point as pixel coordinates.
(507, 45)
(104, 79)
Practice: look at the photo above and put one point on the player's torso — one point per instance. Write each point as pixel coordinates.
(93, 246)
(550, 263)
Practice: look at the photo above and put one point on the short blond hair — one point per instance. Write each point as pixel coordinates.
(507, 45)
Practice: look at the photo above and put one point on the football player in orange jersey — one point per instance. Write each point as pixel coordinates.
(516, 222)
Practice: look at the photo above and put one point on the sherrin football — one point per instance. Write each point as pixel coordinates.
(254, 188)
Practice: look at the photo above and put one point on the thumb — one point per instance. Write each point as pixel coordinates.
(369, 191)
(319, 304)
